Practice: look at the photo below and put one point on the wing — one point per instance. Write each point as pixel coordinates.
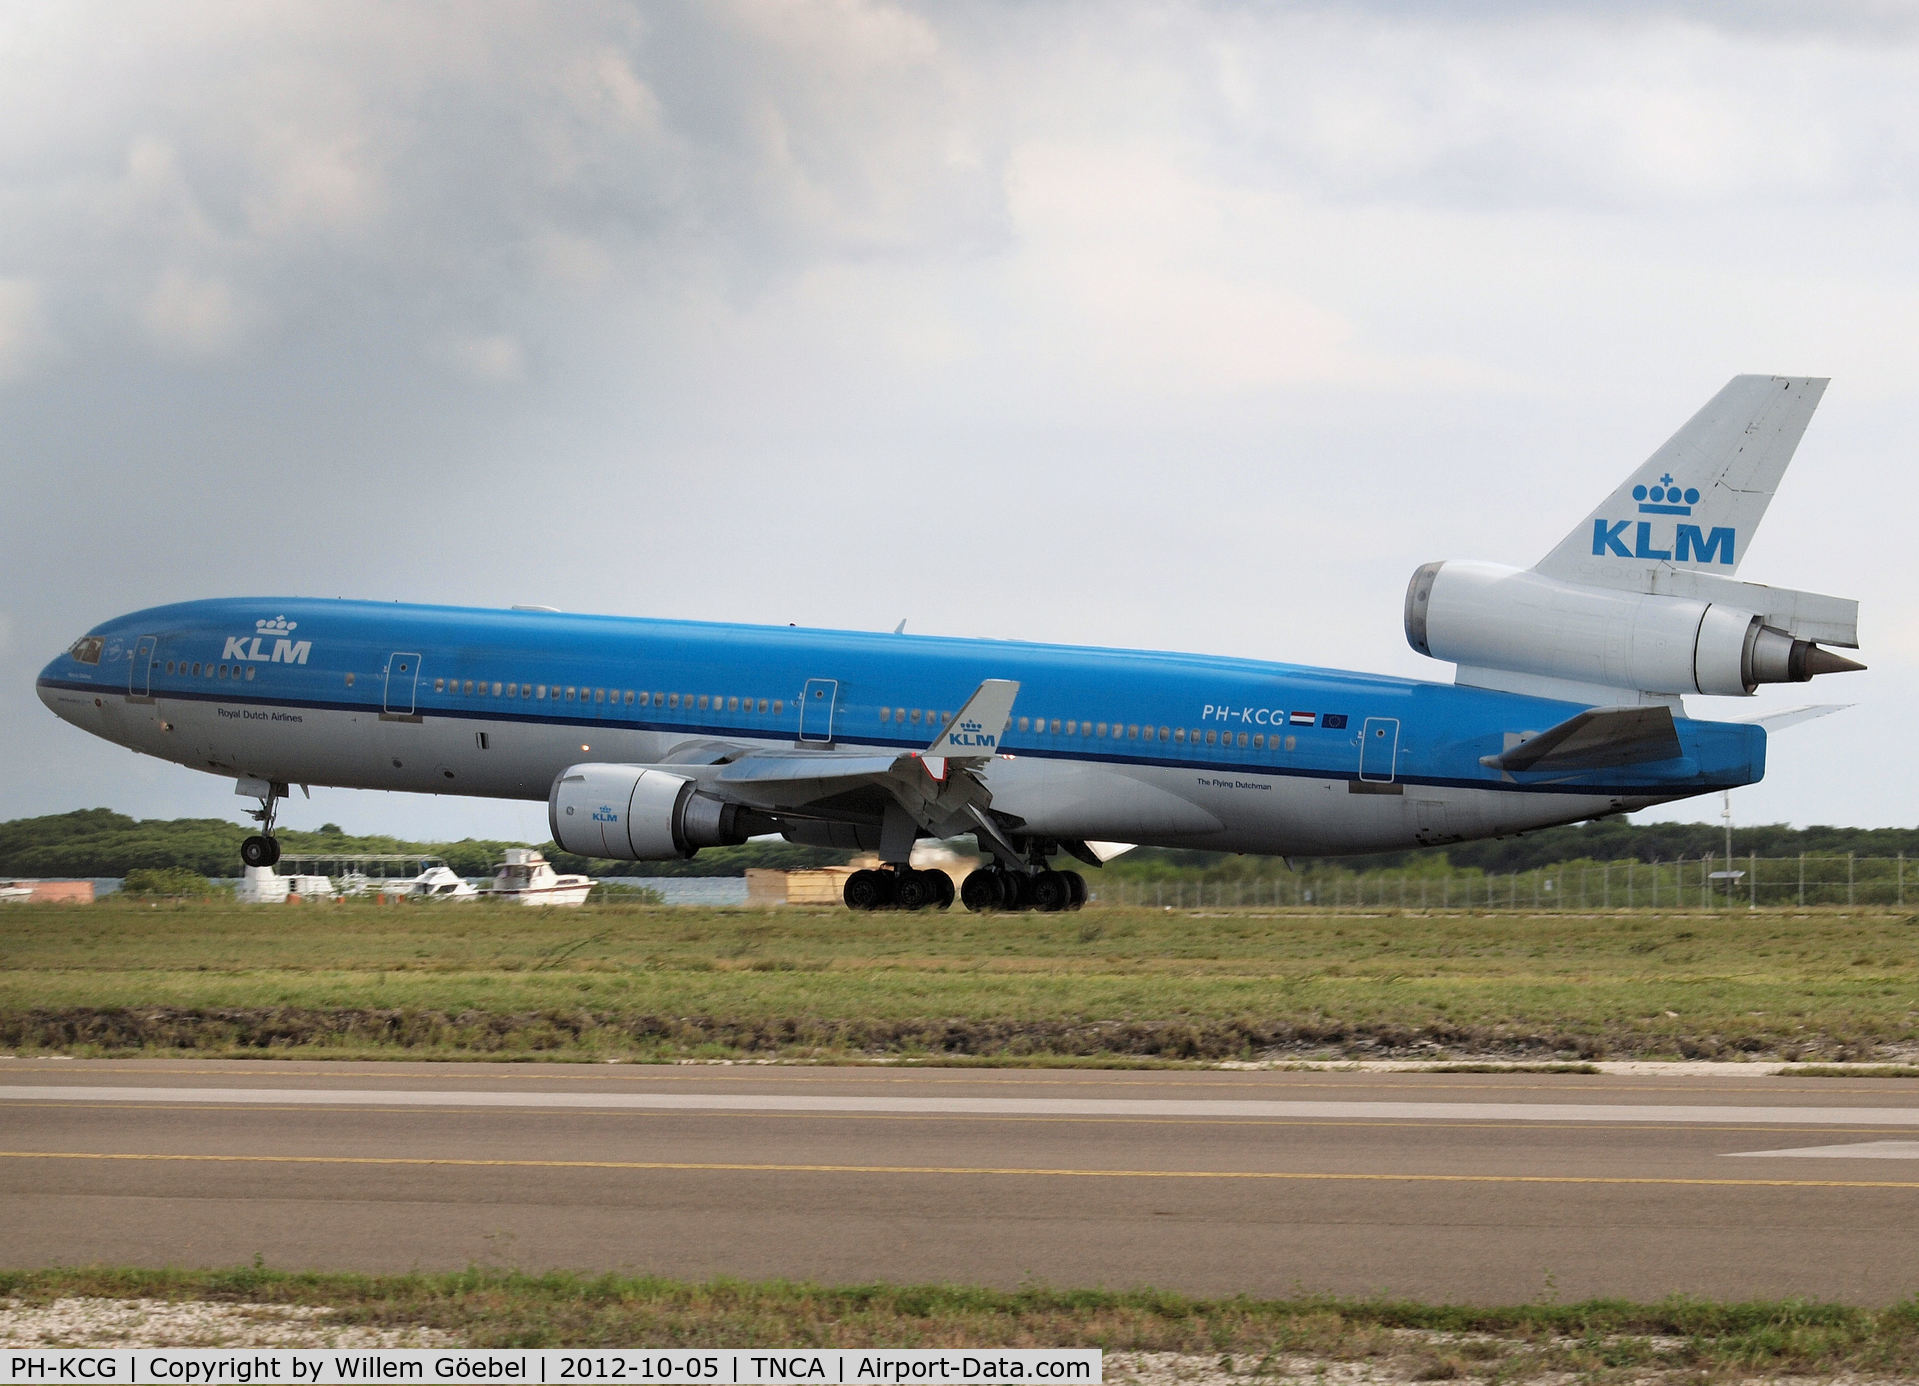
(939, 787)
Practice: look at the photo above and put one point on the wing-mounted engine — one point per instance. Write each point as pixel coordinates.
(634, 813)
(1639, 603)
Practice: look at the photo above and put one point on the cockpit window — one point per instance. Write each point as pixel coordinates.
(86, 650)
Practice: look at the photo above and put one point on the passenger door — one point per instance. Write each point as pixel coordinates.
(1379, 749)
(402, 684)
(140, 671)
(816, 709)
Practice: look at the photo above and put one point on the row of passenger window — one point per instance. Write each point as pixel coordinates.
(220, 671)
(1133, 731)
(619, 697)
(915, 716)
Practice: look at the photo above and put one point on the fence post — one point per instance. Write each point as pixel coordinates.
(1849, 880)
(1802, 880)
(1629, 866)
(1605, 886)
(1902, 878)
(1752, 879)
(1705, 881)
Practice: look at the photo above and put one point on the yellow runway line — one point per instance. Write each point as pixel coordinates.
(971, 1171)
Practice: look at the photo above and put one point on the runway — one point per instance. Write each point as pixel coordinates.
(1482, 1187)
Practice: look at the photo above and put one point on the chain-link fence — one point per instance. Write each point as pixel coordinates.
(1748, 882)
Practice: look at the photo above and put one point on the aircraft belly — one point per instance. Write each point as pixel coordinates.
(362, 750)
(1085, 799)
(1238, 811)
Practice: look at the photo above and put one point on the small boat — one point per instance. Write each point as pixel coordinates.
(528, 878)
(11, 892)
(435, 883)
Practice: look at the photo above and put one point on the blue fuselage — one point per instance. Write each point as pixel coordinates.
(1273, 757)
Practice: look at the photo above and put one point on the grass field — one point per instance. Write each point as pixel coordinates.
(1105, 985)
(1599, 1341)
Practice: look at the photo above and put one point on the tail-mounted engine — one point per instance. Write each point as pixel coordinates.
(1495, 621)
(627, 813)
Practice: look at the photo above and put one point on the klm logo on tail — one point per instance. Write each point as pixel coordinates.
(973, 734)
(284, 650)
(1684, 543)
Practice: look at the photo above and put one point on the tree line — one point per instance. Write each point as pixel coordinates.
(100, 842)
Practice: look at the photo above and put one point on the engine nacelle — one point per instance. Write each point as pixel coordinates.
(631, 814)
(1487, 616)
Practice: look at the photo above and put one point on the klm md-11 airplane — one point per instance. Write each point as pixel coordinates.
(652, 739)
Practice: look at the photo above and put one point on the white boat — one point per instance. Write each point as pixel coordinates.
(261, 885)
(528, 878)
(435, 883)
(15, 894)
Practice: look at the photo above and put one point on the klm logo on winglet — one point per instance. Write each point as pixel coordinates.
(605, 814)
(1688, 543)
(284, 650)
(973, 734)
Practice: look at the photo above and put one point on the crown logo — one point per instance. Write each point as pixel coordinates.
(279, 625)
(1666, 498)
(972, 726)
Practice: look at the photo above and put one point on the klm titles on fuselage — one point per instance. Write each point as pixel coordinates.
(284, 651)
(1688, 543)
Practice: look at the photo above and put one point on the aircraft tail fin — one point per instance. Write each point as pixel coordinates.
(1695, 504)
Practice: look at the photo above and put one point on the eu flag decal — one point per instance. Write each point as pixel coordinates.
(1334, 721)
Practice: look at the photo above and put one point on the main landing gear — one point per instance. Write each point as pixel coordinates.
(898, 888)
(263, 848)
(1046, 890)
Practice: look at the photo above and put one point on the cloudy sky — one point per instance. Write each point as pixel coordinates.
(1190, 326)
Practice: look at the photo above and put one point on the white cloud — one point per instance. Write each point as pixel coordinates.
(191, 315)
(25, 338)
(494, 358)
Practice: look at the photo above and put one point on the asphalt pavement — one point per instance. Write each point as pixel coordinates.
(1467, 1187)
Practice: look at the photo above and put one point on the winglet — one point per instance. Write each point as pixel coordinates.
(975, 731)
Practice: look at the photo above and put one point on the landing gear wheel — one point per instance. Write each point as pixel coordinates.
(1076, 885)
(981, 891)
(915, 890)
(943, 886)
(262, 849)
(1051, 893)
(867, 890)
(1018, 886)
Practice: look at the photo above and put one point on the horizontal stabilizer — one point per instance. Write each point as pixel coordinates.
(1596, 739)
(1793, 716)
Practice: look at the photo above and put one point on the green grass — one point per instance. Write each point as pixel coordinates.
(1108, 985)
(1602, 1340)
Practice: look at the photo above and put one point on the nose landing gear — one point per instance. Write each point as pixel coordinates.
(262, 849)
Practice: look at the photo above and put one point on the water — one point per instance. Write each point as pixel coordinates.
(689, 890)
(674, 890)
